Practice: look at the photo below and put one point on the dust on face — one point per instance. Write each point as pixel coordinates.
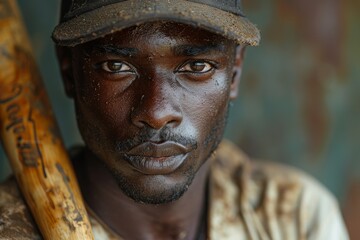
(151, 104)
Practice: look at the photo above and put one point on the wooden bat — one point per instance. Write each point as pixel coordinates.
(31, 138)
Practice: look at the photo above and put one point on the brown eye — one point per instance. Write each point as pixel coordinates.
(196, 67)
(115, 67)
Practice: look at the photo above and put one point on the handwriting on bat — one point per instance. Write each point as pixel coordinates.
(18, 125)
(18, 111)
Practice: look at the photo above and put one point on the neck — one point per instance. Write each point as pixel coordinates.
(176, 220)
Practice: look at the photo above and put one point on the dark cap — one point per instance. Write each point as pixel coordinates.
(85, 20)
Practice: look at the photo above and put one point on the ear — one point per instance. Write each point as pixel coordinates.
(64, 58)
(239, 57)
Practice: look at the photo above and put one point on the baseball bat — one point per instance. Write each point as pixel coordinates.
(31, 139)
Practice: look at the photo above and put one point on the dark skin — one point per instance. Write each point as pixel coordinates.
(151, 105)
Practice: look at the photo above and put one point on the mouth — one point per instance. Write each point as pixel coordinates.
(157, 158)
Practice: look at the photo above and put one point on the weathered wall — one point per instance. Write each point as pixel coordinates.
(298, 96)
(299, 100)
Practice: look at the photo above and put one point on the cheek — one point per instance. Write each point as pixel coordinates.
(209, 105)
(210, 98)
(92, 87)
(97, 97)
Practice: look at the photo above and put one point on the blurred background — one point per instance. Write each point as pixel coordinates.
(298, 104)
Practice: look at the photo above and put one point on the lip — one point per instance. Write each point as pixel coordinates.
(157, 158)
(158, 150)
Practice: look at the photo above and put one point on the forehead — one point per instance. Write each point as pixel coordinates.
(164, 33)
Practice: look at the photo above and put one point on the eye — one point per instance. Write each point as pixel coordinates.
(196, 67)
(115, 67)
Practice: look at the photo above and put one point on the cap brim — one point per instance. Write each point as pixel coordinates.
(114, 17)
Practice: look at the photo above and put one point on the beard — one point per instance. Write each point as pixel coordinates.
(158, 192)
(161, 195)
(164, 194)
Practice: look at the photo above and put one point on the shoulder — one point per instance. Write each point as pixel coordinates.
(283, 198)
(15, 219)
(276, 181)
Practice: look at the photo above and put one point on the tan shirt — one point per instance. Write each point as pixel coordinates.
(249, 200)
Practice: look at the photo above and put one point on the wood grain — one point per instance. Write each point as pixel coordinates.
(31, 138)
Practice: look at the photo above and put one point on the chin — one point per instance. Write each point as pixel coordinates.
(154, 189)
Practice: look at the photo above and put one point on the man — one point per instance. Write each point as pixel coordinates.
(152, 82)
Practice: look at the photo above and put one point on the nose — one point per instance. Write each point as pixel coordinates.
(158, 106)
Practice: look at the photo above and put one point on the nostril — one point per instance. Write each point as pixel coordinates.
(156, 121)
(140, 124)
(157, 112)
(174, 122)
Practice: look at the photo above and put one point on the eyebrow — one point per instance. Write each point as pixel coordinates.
(121, 51)
(191, 50)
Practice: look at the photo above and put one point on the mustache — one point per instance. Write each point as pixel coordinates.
(156, 136)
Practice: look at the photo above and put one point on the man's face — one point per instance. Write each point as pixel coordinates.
(151, 103)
